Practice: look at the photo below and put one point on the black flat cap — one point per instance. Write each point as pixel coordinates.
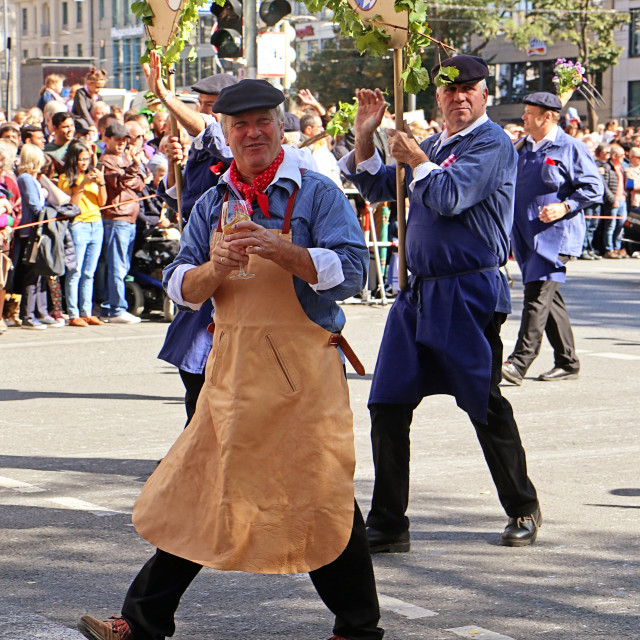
(81, 125)
(116, 130)
(544, 100)
(213, 85)
(291, 122)
(246, 95)
(471, 68)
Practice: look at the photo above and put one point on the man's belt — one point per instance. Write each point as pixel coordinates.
(338, 340)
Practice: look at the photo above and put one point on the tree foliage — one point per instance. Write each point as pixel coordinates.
(590, 28)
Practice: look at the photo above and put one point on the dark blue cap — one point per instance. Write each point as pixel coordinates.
(246, 95)
(213, 85)
(471, 68)
(291, 122)
(544, 100)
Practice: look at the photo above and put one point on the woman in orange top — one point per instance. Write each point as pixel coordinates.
(85, 184)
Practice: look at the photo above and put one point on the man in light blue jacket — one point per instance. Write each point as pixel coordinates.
(557, 179)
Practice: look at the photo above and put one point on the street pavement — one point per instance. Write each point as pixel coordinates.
(87, 412)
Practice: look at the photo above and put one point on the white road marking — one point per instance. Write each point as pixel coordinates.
(616, 356)
(67, 503)
(28, 625)
(478, 633)
(17, 485)
(405, 609)
(81, 505)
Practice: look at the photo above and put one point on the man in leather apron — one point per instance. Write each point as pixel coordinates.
(557, 179)
(443, 332)
(261, 480)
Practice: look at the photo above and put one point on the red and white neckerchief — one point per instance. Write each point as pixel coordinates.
(447, 162)
(255, 190)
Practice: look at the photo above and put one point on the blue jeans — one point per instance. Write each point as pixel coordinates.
(117, 247)
(613, 228)
(87, 240)
(591, 224)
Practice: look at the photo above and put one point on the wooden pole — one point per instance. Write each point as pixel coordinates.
(175, 131)
(398, 95)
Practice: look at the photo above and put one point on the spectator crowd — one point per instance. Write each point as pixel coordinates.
(97, 169)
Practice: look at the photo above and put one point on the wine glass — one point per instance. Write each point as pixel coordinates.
(234, 211)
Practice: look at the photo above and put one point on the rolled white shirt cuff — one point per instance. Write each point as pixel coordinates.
(370, 165)
(422, 171)
(174, 287)
(328, 267)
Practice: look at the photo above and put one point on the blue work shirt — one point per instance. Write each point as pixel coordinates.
(207, 151)
(460, 216)
(322, 218)
(562, 170)
(475, 191)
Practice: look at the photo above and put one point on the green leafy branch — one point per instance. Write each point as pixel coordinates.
(371, 37)
(342, 119)
(185, 24)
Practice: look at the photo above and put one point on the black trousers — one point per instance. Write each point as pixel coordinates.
(192, 384)
(499, 439)
(346, 585)
(544, 311)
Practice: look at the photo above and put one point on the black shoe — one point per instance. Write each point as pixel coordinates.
(381, 542)
(511, 374)
(522, 531)
(558, 373)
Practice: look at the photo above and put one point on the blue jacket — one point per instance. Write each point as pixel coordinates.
(458, 229)
(562, 171)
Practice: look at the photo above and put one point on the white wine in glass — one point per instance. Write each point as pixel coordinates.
(234, 211)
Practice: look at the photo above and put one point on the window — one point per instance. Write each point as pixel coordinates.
(103, 51)
(115, 11)
(515, 80)
(79, 50)
(633, 99)
(65, 50)
(101, 10)
(65, 15)
(78, 13)
(634, 33)
(25, 20)
(205, 26)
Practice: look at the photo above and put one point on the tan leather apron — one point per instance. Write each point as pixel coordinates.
(262, 478)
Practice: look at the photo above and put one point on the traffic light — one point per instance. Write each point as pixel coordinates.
(227, 34)
(272, 11)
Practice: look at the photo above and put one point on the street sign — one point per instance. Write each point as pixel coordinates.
(272, 57)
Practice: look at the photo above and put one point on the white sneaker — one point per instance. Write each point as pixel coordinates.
(124, 318)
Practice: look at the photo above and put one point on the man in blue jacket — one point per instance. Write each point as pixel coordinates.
(443, 332)
(557, 178)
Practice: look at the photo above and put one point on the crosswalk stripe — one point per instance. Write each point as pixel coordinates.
(478, 633)
(17, 485)
(405, 609)
(63, 501)
(81, 505)
(615, 356)
(28, 625)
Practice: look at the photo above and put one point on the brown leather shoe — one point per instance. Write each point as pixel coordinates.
(112, 629)
(93, 320)
(78, 322)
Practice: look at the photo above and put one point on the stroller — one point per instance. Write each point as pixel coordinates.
(143, 285)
